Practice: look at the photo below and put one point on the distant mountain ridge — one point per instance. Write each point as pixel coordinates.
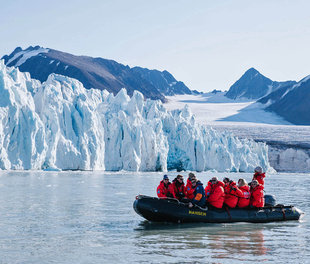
(254, 85)
(163, 81)
(288, 99)
(291, 102)
(96, 73)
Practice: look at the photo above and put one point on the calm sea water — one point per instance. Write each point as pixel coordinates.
(87, 217)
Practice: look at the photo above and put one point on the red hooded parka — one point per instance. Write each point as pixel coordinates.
(232, 193)
(257, 196)
(259, 177)
(215, 194)
(189, 190)
(244, 201)
(163, 190)
(177, 189)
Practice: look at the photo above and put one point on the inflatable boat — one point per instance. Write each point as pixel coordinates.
(171, 210)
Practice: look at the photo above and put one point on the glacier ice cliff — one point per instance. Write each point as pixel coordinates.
(60, 124)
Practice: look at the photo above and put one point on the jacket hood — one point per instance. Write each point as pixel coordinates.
(232, 183)
(199, 183)
(222, 184)
(244, 188)
(219, 183)
(162, 183)
(259, 187)
(176, 182)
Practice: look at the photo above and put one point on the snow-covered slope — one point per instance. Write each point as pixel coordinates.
(21, 56)
(216, 109)
(291, 102)
(60, 124)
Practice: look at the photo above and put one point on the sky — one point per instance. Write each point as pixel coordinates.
(206, 44)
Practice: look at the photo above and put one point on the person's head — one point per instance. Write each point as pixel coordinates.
(254, 183)
(258, 169)
(242, 182)
(166, 178)
(180, 178)
(191, 175)
(194, 181)
(214, 180)
(226, 180)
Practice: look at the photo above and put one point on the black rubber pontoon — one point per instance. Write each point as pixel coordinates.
(171, 210)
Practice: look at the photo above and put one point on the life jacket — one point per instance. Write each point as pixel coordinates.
(244, 201)
(177, 189)
(199, 195)
(215, 194)
(163, 190)
(232, 193)
(257, 196)
(259, 177)
(189, 190)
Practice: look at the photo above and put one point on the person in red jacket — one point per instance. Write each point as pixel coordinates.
(177, 188)
(215, 193)
(232, 193)
(257, 194)
(189, 190)
(243, 201)
(163, 188)
(259, 175)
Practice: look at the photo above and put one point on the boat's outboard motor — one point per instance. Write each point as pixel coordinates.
(270, 200)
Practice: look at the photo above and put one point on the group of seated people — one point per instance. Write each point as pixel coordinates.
(217, 193)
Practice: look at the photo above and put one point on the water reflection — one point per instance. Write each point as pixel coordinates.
(221, 241)
(238, 242)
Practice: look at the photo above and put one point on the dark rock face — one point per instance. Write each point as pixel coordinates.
(163, 81)
(96, 73)
(291, 102)
(253, 85)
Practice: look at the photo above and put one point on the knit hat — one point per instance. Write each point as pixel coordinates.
(258, 169)
(165, 177)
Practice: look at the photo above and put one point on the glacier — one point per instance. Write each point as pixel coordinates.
(59, 124)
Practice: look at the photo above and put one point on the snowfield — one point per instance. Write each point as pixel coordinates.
(214, 109)
(243, 118)
(61, 125)
(289, 145)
